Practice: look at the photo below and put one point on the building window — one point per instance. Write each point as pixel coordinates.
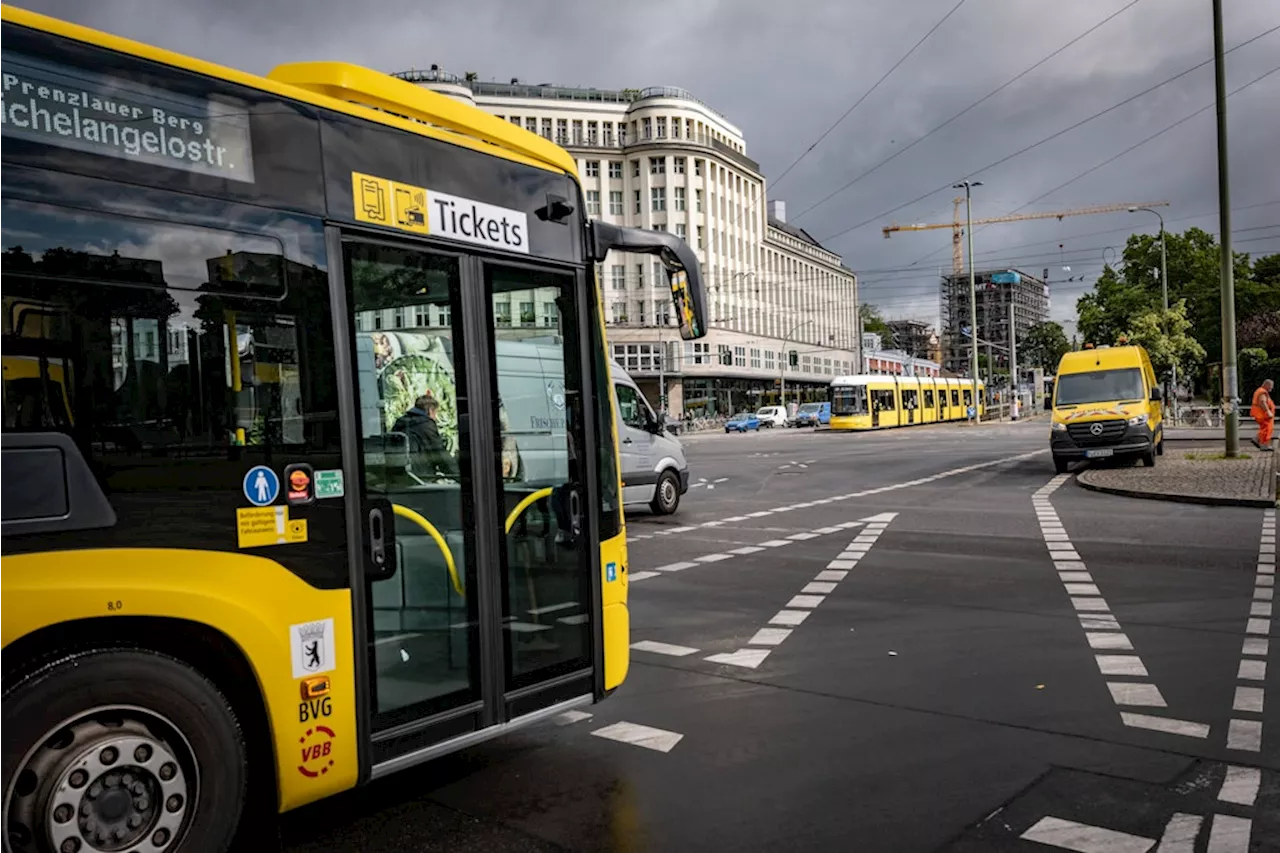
(679, 198)
(619, 277)
(657, 165)
(662, 127)
(682, 231)
(636, 198)
(546, 128)
(697, 167)
(640, 275)
(502, 312)
(514, 120)
(397, 318)
(635, 168)
(675, 128)
(739, 356)
(550, 317)
(593, 202)
(697, 200)
(702, 237)
(527, 317)
(664, 312)
(677, 165)
(697, 353)
(615, 168)
(615, 202)
(769, 363)
(593, 168)
(755, 358)
(658, 197)
(646, 127)
(562, 131)
(619, 311)
(531, 125)
(577, 131)
(659, 226)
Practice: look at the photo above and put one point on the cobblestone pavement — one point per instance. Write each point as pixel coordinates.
(1189, 471)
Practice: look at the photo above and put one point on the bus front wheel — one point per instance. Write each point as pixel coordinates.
(110, 748)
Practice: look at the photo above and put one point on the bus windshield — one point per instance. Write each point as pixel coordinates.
(1100, 386)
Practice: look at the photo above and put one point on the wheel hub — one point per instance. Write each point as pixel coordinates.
(100, 785)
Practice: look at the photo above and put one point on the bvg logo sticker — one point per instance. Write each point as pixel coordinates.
(317, 743)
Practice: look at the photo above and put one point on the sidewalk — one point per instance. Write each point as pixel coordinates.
(1194, 472)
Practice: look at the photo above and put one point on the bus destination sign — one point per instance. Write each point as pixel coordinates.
(114, 117)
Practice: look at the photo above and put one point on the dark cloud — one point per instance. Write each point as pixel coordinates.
(783, 72)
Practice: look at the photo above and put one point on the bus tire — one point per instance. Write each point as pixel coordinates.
(136, 736)
(666, 494)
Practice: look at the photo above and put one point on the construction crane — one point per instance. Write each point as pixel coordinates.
(957, 224)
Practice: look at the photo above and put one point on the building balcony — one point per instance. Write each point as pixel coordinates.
(605, 142)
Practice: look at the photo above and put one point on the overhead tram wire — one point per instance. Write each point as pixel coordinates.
(969, 108)
(867, 93)
(1115, 157)
(880, 216)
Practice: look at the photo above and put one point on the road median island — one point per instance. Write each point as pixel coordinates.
(1193, 473)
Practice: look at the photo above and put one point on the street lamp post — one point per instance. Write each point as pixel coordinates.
(1164, 302)
(973, 290)
(782, 367)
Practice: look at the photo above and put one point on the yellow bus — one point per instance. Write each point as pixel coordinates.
(310, 470)
(876, 401)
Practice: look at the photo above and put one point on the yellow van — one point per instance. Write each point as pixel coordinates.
(1106, 402)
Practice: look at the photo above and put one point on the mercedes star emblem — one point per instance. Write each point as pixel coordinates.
(1096, 429)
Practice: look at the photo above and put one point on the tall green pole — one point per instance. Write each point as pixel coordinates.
(1230, 384)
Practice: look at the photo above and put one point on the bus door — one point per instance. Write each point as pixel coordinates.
(476, 569)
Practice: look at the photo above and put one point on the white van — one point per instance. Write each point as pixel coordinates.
(654, 470)
(772, 416)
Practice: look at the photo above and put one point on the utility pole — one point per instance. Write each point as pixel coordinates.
(1013, 361)
(1230, 384)
(1164, 301)
(973, 290)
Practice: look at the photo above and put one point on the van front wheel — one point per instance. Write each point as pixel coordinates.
(1149, 459)
(666, 495)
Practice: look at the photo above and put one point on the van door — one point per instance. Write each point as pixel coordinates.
(638, 477)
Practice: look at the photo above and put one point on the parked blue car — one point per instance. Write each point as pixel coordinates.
(742, 422)
(812, 415)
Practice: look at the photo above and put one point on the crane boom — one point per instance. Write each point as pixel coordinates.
(957, 224)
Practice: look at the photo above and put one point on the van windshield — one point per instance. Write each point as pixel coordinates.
(1100, 386)
(810, 407)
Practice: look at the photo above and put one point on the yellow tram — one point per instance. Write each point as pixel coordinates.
(874, 401)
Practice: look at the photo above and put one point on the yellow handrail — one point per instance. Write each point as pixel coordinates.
(409, 515)
(525, 504)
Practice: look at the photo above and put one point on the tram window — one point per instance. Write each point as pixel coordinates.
(928, 398)
(955, 397)
(910, 398)
(883, 400)
(968, 397)
(851, 400)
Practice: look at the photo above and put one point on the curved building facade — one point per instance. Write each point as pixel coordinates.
(661, 158)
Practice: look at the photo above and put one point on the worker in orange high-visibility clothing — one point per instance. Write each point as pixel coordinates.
(1263, 411)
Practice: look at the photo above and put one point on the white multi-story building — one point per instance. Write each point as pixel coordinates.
(659, 158)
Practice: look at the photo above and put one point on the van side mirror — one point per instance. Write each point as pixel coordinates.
(1155, 393)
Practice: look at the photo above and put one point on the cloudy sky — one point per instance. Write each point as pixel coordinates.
(784, 72)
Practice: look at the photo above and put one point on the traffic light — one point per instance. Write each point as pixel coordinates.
(793, 358)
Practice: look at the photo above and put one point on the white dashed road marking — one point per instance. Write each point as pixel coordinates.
(812, 595)
(663, 648)
(1083, 838)
(635, 734)
(1245, 731)
(1102, 629)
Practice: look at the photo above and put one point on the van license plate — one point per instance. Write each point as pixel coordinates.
(1097, 454)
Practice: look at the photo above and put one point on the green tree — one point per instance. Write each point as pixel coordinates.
(873, 322)
(1043, 346)
(1166, 336)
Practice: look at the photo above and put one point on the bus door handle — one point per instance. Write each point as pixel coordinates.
(380, 536)
(626, 441)
(575, 512)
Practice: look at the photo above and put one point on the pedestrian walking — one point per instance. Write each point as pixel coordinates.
(1263, 411)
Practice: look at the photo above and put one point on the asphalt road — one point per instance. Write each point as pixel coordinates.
(896, 664)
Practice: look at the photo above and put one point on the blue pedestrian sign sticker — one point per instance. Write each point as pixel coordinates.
(261, 485)
(611, 572)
